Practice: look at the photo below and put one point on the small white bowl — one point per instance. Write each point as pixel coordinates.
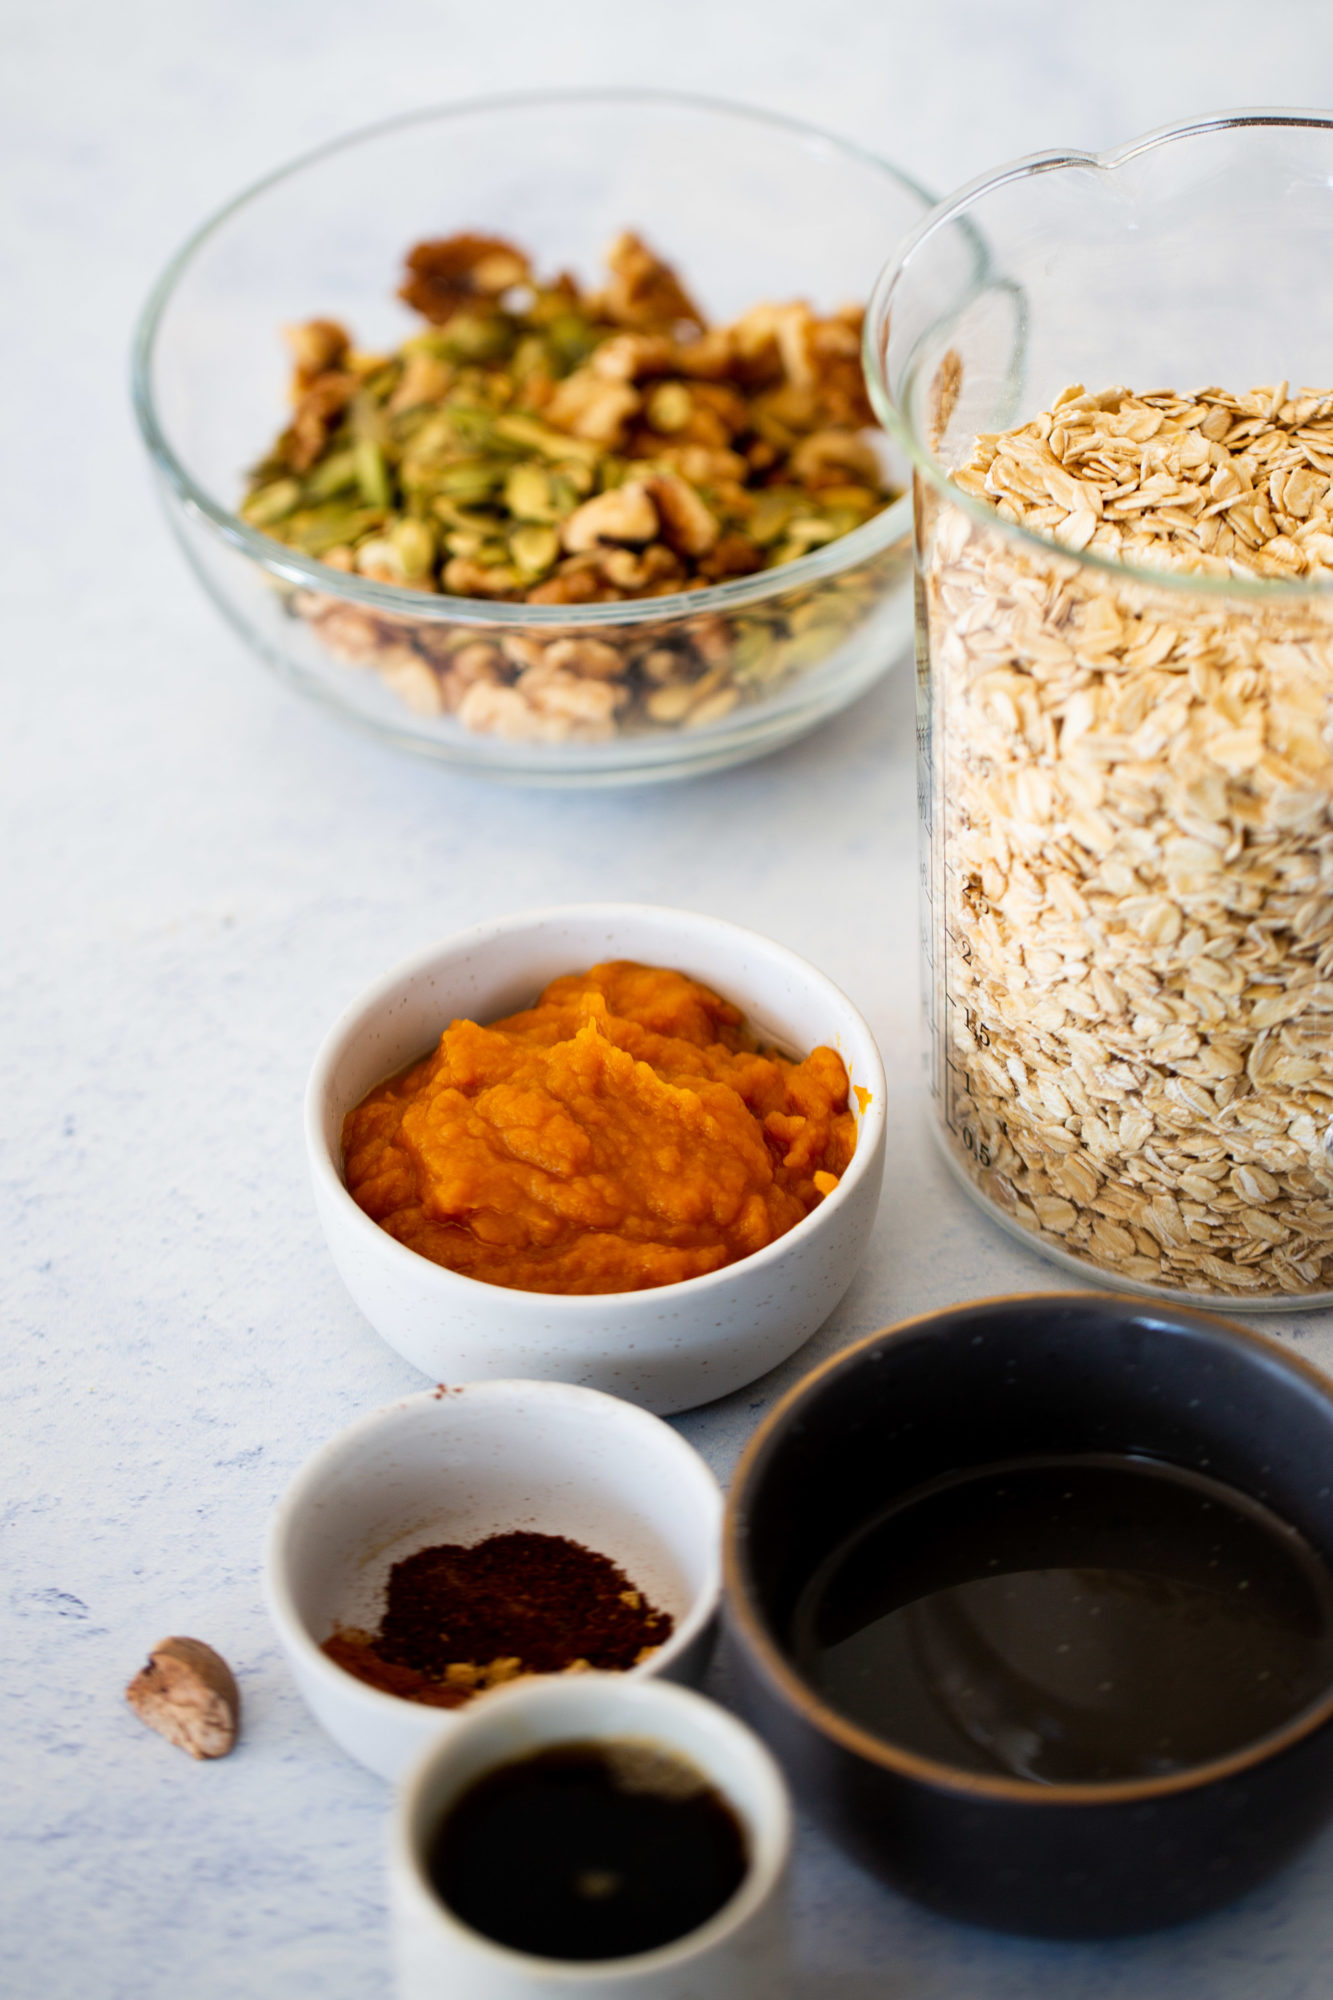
(739, 1954)
(669, 1348)
(457, 1465)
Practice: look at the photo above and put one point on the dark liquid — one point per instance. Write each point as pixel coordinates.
(589, 1851)
(1071, 1621)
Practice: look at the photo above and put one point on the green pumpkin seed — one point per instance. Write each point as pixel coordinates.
(518, 429)
(464, 542)
(572, 482)
(473, 425)
(415, 546)
(321, 528)
(807, 531)
(773, 510)
(337, 474)
(808, 649)
(572, 338)
(477, 337)
(529, 495)
(372, 475)
(471, 479)
(270, 504)
(534, 550)
(756, 656)
(531, 357)
(670, 407)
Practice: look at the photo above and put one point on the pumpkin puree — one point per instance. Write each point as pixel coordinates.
(625, 1132)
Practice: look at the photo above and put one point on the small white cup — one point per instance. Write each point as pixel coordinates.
(457, 1465)
(741, 1953)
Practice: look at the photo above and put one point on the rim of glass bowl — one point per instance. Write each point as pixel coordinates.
(884, 528)
(958, 208)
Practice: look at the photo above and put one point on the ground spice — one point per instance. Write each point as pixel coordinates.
(460, 1619)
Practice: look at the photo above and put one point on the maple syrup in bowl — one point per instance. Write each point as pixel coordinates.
(1075, 1620)
(1033, 1597)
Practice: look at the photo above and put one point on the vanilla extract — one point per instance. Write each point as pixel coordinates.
(589, 1851)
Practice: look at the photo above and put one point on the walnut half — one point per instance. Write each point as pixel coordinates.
(188, 1694)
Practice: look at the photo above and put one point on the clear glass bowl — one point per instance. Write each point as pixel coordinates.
(749, 208)
(1126, 772)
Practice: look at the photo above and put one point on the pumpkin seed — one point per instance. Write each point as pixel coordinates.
(372, 475)
(415, 546)
(518, 429)
(477, 337)
(268, 505)
(471, 479)
(534, 549)
(318, 529)
(529, 495)
(337, 474)
(670, 407)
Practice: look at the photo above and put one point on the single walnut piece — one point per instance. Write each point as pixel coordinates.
(625, 514)
(644, 293)
(188, 1694)
(316, 346)
(688, 525)
(451, 272)
(592, 406)
(319, 408)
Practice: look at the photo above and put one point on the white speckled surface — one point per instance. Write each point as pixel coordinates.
(199, 872)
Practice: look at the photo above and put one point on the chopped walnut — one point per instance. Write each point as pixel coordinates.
(589, 406)
(643, 291)
(320, 406)
(687, 525)
(456, 270)
(316, 347)
(625, 514)
(591, 659)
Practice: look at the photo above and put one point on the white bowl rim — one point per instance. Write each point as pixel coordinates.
(568, 1305)
(890, 525)
(761, 1879)
(292, 1629)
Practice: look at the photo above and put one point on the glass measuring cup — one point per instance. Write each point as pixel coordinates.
(1126, 774)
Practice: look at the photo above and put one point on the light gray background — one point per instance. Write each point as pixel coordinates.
(199, 872)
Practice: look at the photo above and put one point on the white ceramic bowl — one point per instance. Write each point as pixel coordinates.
(739, 1954)
(457, 1465)
(669, 1348)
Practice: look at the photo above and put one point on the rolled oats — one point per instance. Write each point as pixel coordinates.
(1130, 792)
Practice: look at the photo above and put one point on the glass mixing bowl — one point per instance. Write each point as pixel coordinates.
(749, 208)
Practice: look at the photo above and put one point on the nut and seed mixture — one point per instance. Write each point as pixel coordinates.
(539, 444)
(1133, 791)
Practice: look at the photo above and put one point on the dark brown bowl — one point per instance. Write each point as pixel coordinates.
(1053, 1373)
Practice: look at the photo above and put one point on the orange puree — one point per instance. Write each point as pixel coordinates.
(625, 1132)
